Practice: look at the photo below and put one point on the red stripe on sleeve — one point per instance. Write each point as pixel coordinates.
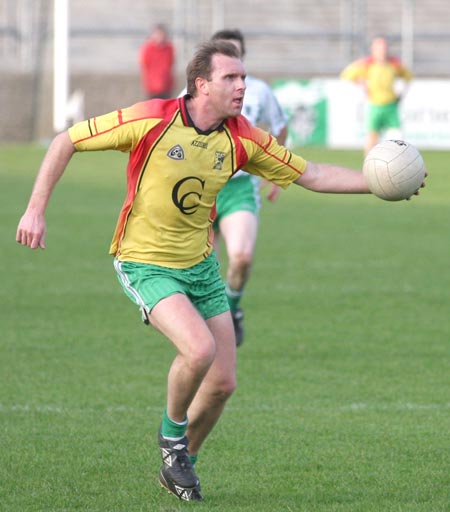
(240, 127)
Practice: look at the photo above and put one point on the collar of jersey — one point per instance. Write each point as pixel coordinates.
(189, 122)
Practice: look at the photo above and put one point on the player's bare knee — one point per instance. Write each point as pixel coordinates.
(241, 261)
(224, 389)
(229, 386)
(201, 355)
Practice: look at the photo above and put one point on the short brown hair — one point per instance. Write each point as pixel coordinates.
(230, 35)
(201, 64)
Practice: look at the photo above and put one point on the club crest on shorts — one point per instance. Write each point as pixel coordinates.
(219, 157)
(176, 153)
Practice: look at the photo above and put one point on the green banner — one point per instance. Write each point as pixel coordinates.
(305, 104)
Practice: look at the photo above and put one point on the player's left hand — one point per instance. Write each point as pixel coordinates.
(274, 190)
(417, 192)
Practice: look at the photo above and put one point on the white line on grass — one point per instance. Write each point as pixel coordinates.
(126, 409)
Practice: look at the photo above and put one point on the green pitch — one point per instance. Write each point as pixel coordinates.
(343, 401)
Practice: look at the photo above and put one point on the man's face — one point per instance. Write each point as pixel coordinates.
(379, 49)
(159, 35)
(226, 86)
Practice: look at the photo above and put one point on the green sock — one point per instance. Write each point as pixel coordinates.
(193, 459)
(234, 296)
(172, 429)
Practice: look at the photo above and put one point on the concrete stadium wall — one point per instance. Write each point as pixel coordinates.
(27, 106)
(16, 96)
(291, 39)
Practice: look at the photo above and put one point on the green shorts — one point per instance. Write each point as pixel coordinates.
(147, 284)
(239, 194)
(383, 117)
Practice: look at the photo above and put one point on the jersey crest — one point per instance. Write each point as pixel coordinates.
(219, 158)
(176, 153)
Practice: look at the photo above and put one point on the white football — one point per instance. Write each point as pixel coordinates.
(394, 170)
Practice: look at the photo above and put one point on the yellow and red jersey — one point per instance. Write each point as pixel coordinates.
(378, 77)
(174, 174)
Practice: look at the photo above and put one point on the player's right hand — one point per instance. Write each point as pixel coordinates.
(31, 231)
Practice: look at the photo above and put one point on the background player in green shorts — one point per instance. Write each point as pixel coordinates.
(378, 73)
(239, 201)
(182, 153)
(383, 117)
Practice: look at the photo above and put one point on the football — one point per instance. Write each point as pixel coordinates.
(394, 170)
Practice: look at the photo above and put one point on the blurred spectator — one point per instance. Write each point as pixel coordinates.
(156, 61)
(378, 73)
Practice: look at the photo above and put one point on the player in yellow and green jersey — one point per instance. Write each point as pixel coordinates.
(378, 74)
(181, 154)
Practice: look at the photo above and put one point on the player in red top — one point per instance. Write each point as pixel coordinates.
(156, 60)
(182, 152)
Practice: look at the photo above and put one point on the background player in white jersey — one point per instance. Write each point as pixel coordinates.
(239, 202)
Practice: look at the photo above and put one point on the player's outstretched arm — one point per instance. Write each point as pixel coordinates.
(32, 227)
(332, 179)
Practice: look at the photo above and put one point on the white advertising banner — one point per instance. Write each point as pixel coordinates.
(346, 115)
(424, 111)
(426, 114)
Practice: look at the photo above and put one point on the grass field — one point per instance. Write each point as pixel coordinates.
(343, 401)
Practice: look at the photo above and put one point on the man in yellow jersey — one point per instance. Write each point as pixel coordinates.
(378, 73)
(181, 153)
